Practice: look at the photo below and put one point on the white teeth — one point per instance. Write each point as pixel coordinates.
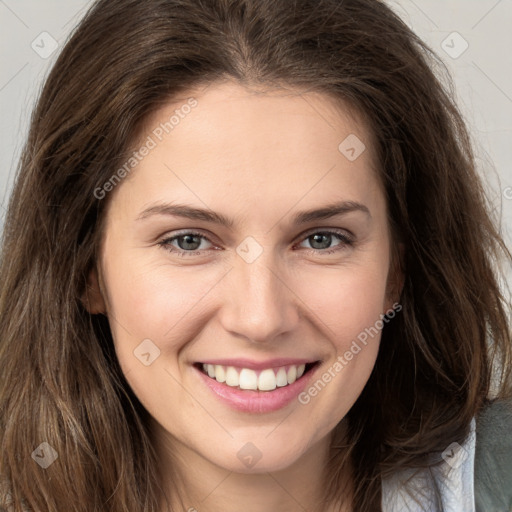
(246, 378)
(232, 378)
(220, 373)
(267, 380)
(281, 379)
(292, 374)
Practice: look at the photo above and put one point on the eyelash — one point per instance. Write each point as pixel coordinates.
(346, 241)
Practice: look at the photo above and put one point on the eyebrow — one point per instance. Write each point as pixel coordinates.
(194, 213)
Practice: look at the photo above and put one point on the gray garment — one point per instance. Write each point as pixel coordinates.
(474, 477)
(447, 486)
(493, 458)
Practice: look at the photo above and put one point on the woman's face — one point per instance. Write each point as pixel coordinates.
(220, 248)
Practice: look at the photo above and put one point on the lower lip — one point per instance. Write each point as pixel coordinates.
(257, 401)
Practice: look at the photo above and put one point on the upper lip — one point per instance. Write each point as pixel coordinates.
(259, 365)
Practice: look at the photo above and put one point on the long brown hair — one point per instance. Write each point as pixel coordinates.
(60, 380)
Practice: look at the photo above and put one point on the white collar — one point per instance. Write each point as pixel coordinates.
(454, 478)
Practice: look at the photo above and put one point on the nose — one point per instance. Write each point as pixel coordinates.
(258, 302)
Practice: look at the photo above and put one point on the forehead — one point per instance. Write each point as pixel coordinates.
(228, 110)
(256, 142)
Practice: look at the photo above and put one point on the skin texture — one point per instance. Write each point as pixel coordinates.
(257, 156)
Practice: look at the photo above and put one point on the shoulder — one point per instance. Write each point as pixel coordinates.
(493, 458)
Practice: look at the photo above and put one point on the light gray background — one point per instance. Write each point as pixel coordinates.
(482, 74)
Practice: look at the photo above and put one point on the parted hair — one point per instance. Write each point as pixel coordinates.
(60, 382)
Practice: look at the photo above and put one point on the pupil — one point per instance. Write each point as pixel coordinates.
(188, 241)
(316, 238)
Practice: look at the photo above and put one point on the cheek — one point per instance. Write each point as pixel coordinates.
(154, 301)
(157, 301)
(348, 305)
(346, 299)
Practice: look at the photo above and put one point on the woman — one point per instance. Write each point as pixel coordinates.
(248, 263)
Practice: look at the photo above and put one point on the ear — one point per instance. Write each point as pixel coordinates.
(396, 276)
(93, 297)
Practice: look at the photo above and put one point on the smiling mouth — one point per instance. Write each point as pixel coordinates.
(268, 379)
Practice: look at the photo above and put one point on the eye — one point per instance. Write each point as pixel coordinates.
(321, 241)
(189, 243)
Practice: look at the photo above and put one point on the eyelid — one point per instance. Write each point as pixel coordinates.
(344, 232)
(300, 237)
(346, 238)
(174, 235)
